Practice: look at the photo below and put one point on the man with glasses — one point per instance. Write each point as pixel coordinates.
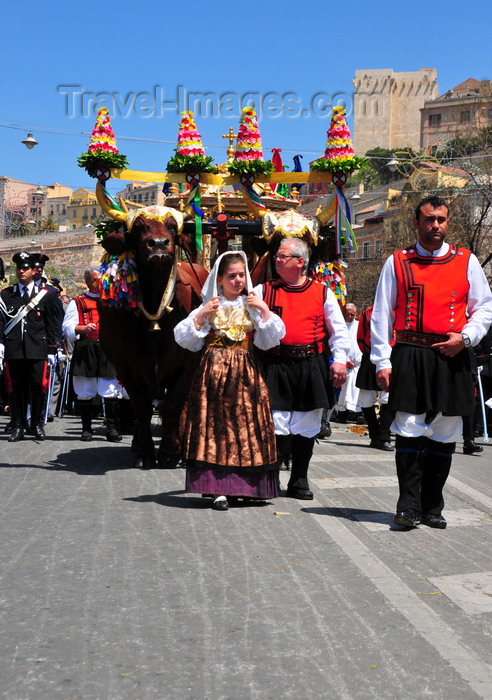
(434, 299)
(299, 376)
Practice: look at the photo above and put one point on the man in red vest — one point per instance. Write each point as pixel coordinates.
(298, 374)
(92, 372)
(435, 299)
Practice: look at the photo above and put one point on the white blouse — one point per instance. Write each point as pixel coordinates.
(267, 333)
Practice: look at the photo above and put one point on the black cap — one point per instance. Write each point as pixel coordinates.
(40, 259)
(23, 260)
(55, 282)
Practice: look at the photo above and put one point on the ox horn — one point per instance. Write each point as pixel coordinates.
(105, 201)
(324, 215)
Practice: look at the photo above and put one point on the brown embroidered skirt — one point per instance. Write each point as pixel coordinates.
(227, 432)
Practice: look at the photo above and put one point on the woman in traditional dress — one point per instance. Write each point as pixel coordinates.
(227, 432)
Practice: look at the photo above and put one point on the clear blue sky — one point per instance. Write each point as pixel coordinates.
(125, 49)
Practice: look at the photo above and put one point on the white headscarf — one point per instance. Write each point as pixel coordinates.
(211, 288)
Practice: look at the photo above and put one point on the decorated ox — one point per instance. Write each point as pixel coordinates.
(290, 224)
(145, 292)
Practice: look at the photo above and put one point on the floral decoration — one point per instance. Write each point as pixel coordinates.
(102, 151)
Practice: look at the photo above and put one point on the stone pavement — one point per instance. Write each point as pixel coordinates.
(117, 585)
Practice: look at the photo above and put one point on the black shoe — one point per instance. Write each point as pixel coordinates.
(382, 445)
(113, 436)
(221, 504)
(38, 432)
(300, 494)
(86, 436)
(437, 521)
(359, 419)
(16, 435)
(324, 432)
(469, 447)
(341, 417)
(50, 418)
(407, 518)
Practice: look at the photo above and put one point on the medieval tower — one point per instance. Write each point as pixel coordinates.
(387, 107)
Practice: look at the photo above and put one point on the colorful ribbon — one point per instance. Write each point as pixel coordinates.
(247, 181)
(194, 203)
(333, 275)
(118, 284)
(343, 226)
(113, 204)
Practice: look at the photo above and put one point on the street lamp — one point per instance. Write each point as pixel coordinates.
(29, 142)
(392, 165)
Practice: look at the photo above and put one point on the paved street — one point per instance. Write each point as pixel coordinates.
(116, 585)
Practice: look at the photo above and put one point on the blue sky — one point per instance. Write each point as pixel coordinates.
(278, 49)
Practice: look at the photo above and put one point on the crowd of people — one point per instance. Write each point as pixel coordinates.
(276, 360)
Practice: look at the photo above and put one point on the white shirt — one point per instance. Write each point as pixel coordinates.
(338, 340)
(478, 308)
(71, 318)
(354, 354)
(21, 286)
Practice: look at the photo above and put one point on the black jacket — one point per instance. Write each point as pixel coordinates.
(32, 338)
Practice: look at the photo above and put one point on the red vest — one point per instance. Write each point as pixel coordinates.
(88, 313)
(364, 330)
(301, 310)
(432, 292)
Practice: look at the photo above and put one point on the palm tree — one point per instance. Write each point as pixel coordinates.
(49, 223)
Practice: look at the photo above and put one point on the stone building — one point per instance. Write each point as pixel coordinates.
(83, 208)
(460, 113)
(387, 107)
(56, 204)
(145, 193)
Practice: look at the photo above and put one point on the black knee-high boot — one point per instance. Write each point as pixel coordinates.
(409, 466)
(37, 404)
(386, 417)
(112, 431)
(85, 408)
(372, 423)
(302, 450)
(17, 416)
(284, 446)
(437, 463)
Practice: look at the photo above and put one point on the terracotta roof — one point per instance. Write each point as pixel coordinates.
(443, 168)
(367, 210)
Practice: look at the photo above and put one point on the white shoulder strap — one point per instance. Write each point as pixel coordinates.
(24, 310)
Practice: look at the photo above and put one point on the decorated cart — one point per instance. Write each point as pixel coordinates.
(157, 257)
(245, 202)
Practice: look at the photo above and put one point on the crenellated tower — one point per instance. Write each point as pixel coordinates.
(387, 107)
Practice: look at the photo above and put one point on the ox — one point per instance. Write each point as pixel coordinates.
(289, 224)
(140, 342)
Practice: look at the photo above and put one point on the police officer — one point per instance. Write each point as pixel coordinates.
(27, 332)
